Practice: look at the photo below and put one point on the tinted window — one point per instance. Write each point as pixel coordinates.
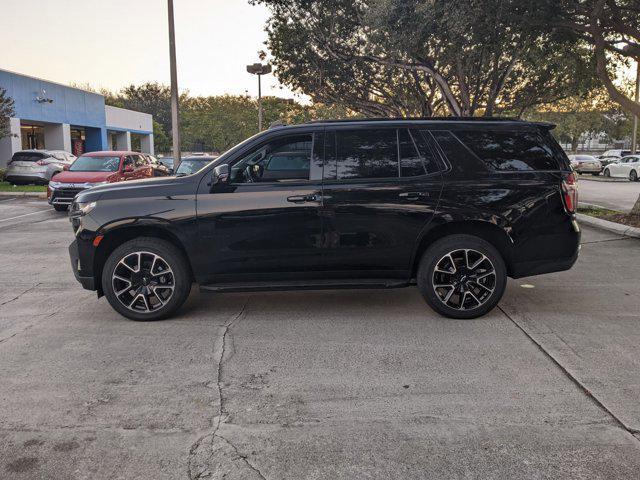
(509, 151)
(288, 161)
(410, 160)
(140, 161)
(366, 153)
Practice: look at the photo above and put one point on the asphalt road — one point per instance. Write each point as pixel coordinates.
(617, 195)
(322, 385)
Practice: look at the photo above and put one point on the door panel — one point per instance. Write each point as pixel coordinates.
(261, 231)
(371, 224)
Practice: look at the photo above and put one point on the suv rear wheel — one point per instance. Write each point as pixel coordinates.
(462, 276)
(146, 279)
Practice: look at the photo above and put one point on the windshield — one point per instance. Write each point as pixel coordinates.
(95, 164)
(189, 166)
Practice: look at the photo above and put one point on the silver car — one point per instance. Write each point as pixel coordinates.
(37, 166)
(585, 164)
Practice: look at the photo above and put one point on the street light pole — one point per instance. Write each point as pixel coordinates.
(259, 70)
(634, 137)
(175, 117)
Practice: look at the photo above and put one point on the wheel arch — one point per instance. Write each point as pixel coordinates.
(496, 235)
(115, 237)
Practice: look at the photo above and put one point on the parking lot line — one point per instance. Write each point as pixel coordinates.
(24, 215)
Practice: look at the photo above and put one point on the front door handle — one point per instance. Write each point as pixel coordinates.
(302, 198)
(413, 195)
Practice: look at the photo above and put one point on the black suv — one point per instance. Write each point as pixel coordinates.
(452, 205)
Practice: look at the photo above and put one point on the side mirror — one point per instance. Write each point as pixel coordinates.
(65, 167)
(128, 168)
(220, 174)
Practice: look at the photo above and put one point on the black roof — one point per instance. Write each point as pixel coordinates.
(475, 120)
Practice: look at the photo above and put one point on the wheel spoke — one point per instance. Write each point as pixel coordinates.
(464, 298)
(483, 287)
(476, 264)
(485, 275)
(474, 297)
(122, 279)
(147, 305)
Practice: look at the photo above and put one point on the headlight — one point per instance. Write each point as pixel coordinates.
(79, 209)
(54, 184)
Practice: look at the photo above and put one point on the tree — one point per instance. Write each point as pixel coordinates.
(416, 57)
(589, 115)
(161, 141)
(610, 27)
(6, 111)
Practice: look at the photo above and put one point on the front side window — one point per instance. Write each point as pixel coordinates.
(95, 164)
(285, 159)
(509, 150)
(140, 161)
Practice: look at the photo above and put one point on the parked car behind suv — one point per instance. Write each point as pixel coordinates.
(625, 167)
(611, 156)
(585, 164)
(454, 206)
(96, 168)
(37, 166)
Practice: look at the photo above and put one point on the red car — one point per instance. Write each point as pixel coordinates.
(97, 168)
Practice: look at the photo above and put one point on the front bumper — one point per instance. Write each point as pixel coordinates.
(79, 267)
(63, 195)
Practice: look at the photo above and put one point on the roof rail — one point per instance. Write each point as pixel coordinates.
(441, 119)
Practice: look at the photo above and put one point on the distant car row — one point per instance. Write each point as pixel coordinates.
(613, 163)
(99, 168)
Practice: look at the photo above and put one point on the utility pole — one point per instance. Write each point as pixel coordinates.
(634, 135)
(259, 69)
(175, 116)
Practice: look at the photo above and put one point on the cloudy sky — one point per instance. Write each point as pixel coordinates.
(113, 43)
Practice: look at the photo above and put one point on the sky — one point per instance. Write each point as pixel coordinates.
(115, 43)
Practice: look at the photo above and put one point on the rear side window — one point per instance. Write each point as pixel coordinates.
(509, 150)
(366, 153)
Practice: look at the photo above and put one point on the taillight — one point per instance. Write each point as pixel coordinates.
(570, 192)
(41, 163)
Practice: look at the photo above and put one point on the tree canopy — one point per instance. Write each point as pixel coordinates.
(425, 57)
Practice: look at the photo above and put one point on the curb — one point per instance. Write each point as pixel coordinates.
(614, 227)
(42, 195)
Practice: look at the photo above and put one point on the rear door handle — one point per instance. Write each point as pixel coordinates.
(302, 198)
(413, 195)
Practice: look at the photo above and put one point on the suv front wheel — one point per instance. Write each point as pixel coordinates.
(146, 279)
(462, 276)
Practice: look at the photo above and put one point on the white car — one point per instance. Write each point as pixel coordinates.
(585, 164)
(37, 166)
(626, 167)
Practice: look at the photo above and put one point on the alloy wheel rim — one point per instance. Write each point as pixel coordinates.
(464, 279)
(143, 282)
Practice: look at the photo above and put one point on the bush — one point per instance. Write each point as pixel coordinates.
(3, 174)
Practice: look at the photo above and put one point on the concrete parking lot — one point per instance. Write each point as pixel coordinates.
(322, 385)
(616, 194)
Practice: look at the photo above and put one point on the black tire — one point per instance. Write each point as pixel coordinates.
(455, 243)
(61, 208)
(633, 176)
(595, 174)
(607, 173)
(169, 254)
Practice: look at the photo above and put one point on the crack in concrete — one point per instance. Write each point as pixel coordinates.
(608, 240)
(243, 457)
(632, 431)
(20, 295)
(2, 340)
(222, 414)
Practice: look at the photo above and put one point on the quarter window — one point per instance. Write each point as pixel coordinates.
(509, 151)
(366, 153)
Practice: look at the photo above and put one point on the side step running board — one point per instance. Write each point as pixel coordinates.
(303, 285)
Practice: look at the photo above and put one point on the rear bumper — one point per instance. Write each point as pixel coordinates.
(79, 266)
(36, 177)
